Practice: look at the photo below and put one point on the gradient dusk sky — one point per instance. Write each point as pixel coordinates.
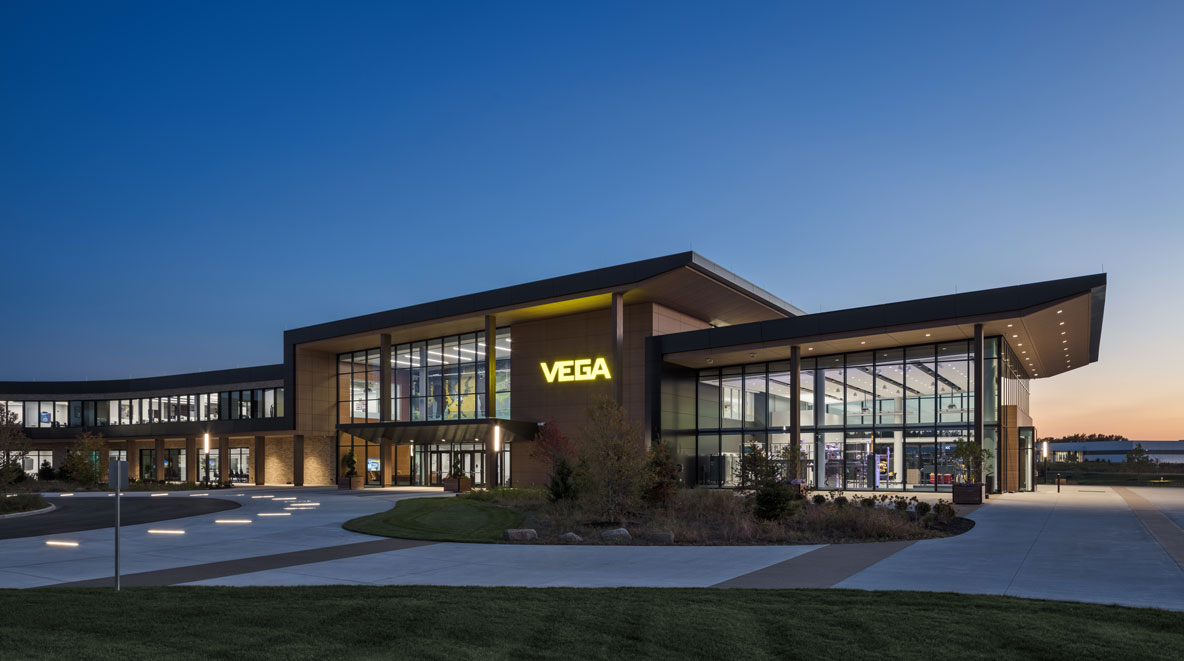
(182, 181)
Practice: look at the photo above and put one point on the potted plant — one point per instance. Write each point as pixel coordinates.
(973, 456)
(351, 479)
(457, 480)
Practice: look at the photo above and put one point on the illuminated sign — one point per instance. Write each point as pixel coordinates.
(583, 369)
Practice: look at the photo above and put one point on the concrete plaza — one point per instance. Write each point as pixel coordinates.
(1093, 544)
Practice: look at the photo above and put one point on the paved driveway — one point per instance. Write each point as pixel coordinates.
(1091, 544)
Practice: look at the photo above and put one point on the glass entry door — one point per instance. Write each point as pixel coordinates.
(1027, 459)
(433, 463)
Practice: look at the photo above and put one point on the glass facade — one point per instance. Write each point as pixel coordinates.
(887, 419)
(438, 379)
(198, 407)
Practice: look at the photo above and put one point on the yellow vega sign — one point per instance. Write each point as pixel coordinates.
(583, 369)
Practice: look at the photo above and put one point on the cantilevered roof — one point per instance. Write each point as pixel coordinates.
(686, 282)
(153, 384)
(1053, 326)
(449, 431)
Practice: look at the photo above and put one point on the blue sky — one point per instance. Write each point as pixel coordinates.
(180, 182)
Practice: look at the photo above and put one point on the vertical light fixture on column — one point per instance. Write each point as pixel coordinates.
(205, 467)
(497, 455)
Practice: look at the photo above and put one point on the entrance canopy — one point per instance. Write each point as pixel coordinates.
(442, 431)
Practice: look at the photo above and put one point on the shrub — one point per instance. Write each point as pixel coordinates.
(562, 485)
(869, 501)
(841, 501)
(943, 511)
(819, 499)
(46, 472)
(82, 461)
(772, 502)
(661, 474)
(901, 503)
(922, 508)
(611, 472)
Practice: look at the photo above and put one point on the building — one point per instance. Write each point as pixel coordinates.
(702, 360)
(1165, 452)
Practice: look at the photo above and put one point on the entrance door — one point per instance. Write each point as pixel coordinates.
(1027, 459)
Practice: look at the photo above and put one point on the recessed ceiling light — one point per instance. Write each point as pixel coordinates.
(1063, 332)
(862, 342)
(1021, 344)
(1064, 341)
(1009, 325)
(1015, 335)
(810, 349)
(1061, 324)
(1023, 352)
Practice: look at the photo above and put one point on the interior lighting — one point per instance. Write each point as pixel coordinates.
(1059, 311)
(54, 542)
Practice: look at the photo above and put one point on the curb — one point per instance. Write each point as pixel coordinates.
(43, 510)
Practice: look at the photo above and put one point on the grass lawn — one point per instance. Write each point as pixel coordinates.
(524, 623)
(439, 519)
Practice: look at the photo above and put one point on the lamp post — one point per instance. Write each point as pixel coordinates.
(1044, 456)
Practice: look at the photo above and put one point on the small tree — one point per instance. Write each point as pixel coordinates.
(82, 460)
(757, 469)
(350, 464)
(661, 476)
(14, 446)
(612, 460)
(973, 456)
(1138, 459)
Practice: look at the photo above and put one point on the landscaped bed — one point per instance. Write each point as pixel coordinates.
(533, 623)
(24, 502)
(690, 516)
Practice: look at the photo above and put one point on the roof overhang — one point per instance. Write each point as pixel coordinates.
(685, 282)
(1053, 327)
(445, 431)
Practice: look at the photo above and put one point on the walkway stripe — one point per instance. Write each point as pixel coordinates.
(1163, 529)
(210, 570)
(820, 568)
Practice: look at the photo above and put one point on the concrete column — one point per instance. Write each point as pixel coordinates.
(490, 397)
(260, 460)
(618, 330)
(159, 459)
(191, 458)
(223, 459)
(795, 407)
(384, 462)
(133, 461)
(384, 378)
(298, 460)
(978, 390)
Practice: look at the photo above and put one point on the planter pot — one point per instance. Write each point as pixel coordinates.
(969, 494)
(459, 485)
(351, 482)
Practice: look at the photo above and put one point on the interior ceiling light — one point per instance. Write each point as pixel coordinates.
(1059, 311)
(1061, 324)
(1015, 335)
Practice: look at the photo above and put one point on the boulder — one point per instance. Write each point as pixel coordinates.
(519, 534)
(661, 537)
(570, 538)
(616, 535)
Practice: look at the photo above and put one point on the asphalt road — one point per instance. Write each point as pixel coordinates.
(75, 514)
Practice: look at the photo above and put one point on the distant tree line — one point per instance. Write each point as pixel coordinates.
(1086, 438)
